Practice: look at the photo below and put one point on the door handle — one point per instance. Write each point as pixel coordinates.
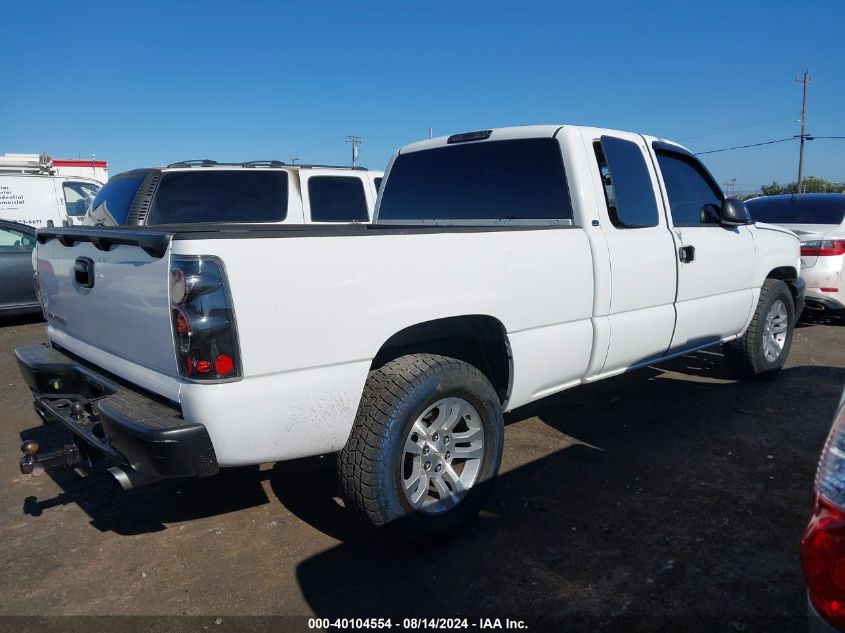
(686, 254)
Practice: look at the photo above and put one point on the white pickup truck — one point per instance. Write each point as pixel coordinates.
(503, 266)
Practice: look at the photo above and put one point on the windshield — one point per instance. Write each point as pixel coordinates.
(211, 195)
(820, 209)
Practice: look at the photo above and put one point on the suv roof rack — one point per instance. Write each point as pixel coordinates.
(310, 166)
(205, 162)
(200, 162)
(262, 163)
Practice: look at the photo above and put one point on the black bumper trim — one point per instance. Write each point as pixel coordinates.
(129, 426)
(824, 303)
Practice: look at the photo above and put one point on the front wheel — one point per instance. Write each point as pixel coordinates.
(762, 350)
(425, 446)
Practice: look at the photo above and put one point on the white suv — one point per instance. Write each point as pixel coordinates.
(268, 192)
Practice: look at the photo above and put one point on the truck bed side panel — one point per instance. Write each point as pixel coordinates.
(313, 312)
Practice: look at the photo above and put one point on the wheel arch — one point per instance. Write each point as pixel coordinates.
(478, 339)
(789, 275)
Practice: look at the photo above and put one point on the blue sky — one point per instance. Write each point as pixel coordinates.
(153, 82)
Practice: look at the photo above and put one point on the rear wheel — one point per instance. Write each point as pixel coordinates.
(763, 349)
(425, 446)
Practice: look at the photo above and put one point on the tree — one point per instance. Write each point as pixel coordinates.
(812, 184)
(772, 189)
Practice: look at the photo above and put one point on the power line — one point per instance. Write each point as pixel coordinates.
(809, 137)
(728, 149)
(734, 129)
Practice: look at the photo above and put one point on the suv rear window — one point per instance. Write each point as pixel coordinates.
(492, 180)
(795, 210)
(211, 195)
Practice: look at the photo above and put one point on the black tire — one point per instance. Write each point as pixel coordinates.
(745, 356)
(370, 465)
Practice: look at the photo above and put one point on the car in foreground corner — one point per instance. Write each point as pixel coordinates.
(823, 545)
(818, 219)
(17, 291)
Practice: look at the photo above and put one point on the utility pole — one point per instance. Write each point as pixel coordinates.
(293, 159)
(806, 81)
(356, 141)
(429, 132)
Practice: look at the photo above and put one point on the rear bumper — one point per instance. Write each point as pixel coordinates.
(816, 300)
(130, 427)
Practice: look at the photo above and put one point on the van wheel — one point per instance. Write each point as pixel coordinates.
(762, 350)
(425, 446)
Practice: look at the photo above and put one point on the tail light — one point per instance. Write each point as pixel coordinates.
(823, 248)
(203, 320)
(823, 545)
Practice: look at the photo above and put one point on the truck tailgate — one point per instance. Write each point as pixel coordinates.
(126, 309)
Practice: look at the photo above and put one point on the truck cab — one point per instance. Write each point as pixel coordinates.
(502, 266)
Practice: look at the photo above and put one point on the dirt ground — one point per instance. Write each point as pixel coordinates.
(662, 496)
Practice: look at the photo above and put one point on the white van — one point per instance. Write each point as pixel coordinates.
(33, 193)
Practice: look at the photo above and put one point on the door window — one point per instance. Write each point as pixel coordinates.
(628, 191)
(690, 190)
(12, 241)
(337, 199)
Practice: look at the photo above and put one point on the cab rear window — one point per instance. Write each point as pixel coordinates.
(186, 197)
(492, 180)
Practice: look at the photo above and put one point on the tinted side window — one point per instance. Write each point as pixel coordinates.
(490, 180)
(627, 183)
(212, 195)
(688, 187)
(112, 202)
(337, 199)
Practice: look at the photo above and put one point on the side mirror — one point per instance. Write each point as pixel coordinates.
(734, 213)
(711, 214)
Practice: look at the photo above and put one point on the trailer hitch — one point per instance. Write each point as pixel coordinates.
(34, 464)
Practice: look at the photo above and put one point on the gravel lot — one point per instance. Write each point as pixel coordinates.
(664, 496)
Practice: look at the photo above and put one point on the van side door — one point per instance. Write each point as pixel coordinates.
(716, 263)
(643, 272)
